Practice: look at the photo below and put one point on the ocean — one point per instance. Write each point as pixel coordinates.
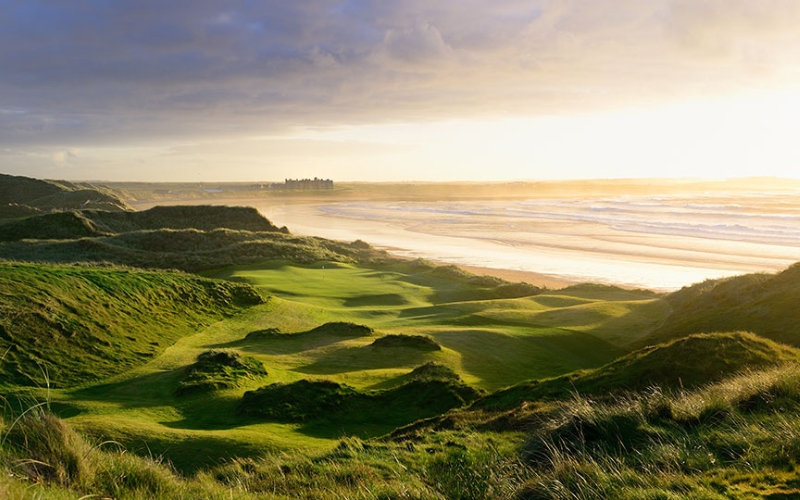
(656, 242)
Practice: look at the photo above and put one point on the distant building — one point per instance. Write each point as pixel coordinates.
(307, 184)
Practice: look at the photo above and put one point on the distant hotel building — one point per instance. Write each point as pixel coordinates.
(305, 184)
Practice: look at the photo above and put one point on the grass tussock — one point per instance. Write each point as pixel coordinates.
(306, 400)
(739, 438)
(419, 342)
(342, 329)
(675, 444)
(219, 369)
(433, 371)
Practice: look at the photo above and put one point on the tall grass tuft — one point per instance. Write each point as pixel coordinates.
(42, 447)
(461, 473)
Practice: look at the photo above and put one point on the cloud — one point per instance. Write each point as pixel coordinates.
(94, 72)
(64, 157)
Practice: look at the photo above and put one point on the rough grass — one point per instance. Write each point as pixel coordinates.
(734, 439)
(24, 196)
(326, 404)
(189, 250)
(684, 363)
(65, 325)
(765, 304)
(219, 369)
(420, 342)
(709, 443)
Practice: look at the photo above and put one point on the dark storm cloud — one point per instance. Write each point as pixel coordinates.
(101, 71)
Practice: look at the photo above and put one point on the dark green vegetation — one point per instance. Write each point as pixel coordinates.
(77, 224)
(348, 408)
(64, 325)
(336, 372)
(420, 342)
(765, 304)
(688, 362)
(185, 238)
(219, 369)
(22, 197)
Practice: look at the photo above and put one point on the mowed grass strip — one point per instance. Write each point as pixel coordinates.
(490, 343)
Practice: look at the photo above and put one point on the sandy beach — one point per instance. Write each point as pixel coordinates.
(656, 243)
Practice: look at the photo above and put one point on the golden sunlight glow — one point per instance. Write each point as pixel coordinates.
(745, 135)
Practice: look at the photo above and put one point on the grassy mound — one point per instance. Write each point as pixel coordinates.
(72, 324)
(305, 400)
(265, 333)
(56, 226)
(297, 402)
(761, 303)
(699, 444)
(477, 287)
(22, 196)
(75, 224)
(200, 217)
(684, 363)
(190, 250)
(334, 331)
(420, 342)
(433, 371)
(342, 329)
(219, 369)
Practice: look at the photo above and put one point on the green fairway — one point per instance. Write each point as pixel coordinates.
(301, 333)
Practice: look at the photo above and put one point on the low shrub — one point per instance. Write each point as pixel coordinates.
(296, 402)
(343, 329)
(219, 369)
(433, 371)
(419, 342)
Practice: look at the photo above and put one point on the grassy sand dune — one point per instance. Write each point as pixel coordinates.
(339, 372)
(324, 321)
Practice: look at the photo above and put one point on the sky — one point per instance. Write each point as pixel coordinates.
(399, 90)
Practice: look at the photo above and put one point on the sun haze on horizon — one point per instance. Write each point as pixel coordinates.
(394, 91)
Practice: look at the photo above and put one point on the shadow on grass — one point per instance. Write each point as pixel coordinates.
(152, 389)
(384, 299)
(271, 341)
(190, 455)
(214, 410)
(501, 359)
(429, 312)
(368, 357)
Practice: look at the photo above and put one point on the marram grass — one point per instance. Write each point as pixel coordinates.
(738, 438)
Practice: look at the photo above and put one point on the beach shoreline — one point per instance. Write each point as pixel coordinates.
(515, 276)
(548, 244)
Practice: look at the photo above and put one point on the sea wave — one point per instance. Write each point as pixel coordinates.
(664, 216)
(661, 242)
